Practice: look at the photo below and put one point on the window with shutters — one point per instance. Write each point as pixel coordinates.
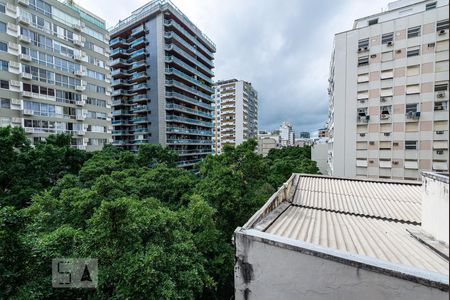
(387, 37)
(413, 32)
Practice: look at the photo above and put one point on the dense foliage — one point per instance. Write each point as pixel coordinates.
(159, 232)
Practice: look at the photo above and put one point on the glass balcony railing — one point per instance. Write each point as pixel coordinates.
(137, 41)
(189, 57)
(119, 61)
(188, 88)
(183, 163)
(188, 120)
(188, 110)
(116, 41)
(121, 112)
(137, 30)
(118, 51)
(137, 53)
(119, 81)
(138, 87)
(189, 78)
(141, 130)
(139, 119)
(137, 98)
(121, 122)
(137, 75)
(189, 141)
(170, 58)
(138, 108)
(137, 65)
(120, 92)
(188, 35)
(188, 99)
(192, 151)
(189, 131)
(121, 132)
(120, 72)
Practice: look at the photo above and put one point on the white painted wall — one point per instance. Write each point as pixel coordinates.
(319, 153)
(265, 271)
(435, 208)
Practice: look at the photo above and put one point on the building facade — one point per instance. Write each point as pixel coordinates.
(236, 113)
(287, 136)
(268, 141)
(162, 69)
(54, 71)
(388, 87)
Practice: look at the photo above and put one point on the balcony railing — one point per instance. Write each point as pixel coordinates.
(171, 58)
(188, 120)
(137, 41)
(189, 57)
(188, 110)
(188, 131)
(189, 89)
(189, 78)
(172, 34)
(189, 141)
(188, 99)
(183, 163)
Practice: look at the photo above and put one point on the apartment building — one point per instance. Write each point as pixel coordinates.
(287, 135)
(162, 69)
(235, 113)
(388, 87)
(54, 71)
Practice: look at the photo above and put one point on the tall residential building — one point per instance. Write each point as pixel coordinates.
(287, 136)
(162, 82)
(54, 71)
(236, 113)
(388, 108)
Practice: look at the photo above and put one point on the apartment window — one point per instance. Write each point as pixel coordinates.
(363, 44)
(442, 46)
(413, 32)
(373, 22)
(385, 145)
(4, 84)
(412, 89)
(95, 75)
(411, 108)
(387, 56)
(441, 105)
(3, 46)
(386, 110)
(96, 102)
(413, 70)
(41, 6)
(442, 66)
(2, 27)
(386, 92)
(4, 65)
(385, 164)
(363, 77)
(5, 121)
(442, 25)
(413, 51)
(2, 8)
(387, 38)
(411, 164)
(387, 74)
(410, 145)
(441, 87)
(431, 5)
(5, 103)
(363, 61)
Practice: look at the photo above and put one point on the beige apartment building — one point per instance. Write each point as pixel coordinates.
(235, 113)
(388, 87)
(54, 72)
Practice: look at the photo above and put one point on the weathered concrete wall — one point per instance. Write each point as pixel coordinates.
(319, 153)
(435, 208)
(265, 271)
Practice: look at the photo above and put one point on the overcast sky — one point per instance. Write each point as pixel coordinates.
(282, 47)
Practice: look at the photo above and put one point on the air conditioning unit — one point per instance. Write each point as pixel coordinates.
(395, 162)
(431, 45)
(362, 101)
(440, 95)
(27, 94)
(362, 134)
(439, 151)
(80, 102)
(370, 161)
(417, 114)
(387, 134)
(442, 32)
(28, 112)
(384, 116)
(398, 51)
(24, 38)
(439, 132)
(23, 2)
(25, 57)
(81, 132)
(76, 27)
(360, 49)
(79, 88)
(29, 129)
(78, 43)
(367, 118)
(26, 76)
(80, 117)
(390, 44)
(373, 56)
(395, 144)
(366, 48)
(383, 99)
(372, 143)
(16, 101)
(78, 73)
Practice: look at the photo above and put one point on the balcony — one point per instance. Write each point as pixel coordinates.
(121, 92)
(182, 130)
(137, 120)
(189, 141)
(185, 163)
(138, 66)
(176, 37)
(121, 132)
(412, 115)
(189, 89)
(171, 106)
(119, 62)
(174, 118)
(137, 54)
(138, 42)
(173, 59)
(122, 123)
(119, 51)
(188, 35)
(119, 82)
(140, 108)
(140, 98)
(139, 87)
(138, 76)
(185, 55)
(121, 112)
(193, 152)
(187, 99)
(138, 31)
(120, 73)
(141, 130)
(117, 42)
(173, 71)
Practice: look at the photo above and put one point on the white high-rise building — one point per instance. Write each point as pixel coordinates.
(388, 108)
(235, 113)
(287, 136)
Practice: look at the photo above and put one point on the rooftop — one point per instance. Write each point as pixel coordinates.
(373, 222)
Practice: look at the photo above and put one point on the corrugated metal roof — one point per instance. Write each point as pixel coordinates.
(381, 239)
(388, 200)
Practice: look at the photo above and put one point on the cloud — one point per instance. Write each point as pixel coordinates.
(282, 47)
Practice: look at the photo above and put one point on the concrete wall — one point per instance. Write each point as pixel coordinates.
(435, 208)
(319, 153)
(265, 271)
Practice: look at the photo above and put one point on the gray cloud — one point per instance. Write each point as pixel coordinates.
(282, 47)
